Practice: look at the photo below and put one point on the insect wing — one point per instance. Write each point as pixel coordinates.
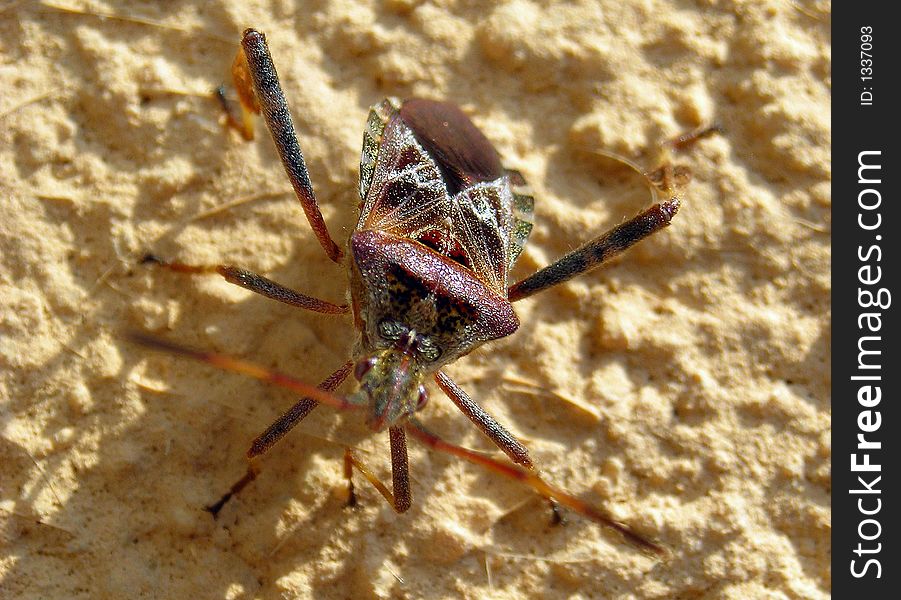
(437, 180)
(379, 116)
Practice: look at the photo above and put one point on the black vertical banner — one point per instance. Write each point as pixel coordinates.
(866, 369)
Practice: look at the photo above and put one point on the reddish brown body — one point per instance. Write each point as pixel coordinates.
(441, 224)
(439, 228)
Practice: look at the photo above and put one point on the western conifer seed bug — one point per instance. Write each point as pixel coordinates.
(441, 222)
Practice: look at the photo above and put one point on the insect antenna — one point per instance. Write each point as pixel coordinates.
(251, 369)
(530, 478)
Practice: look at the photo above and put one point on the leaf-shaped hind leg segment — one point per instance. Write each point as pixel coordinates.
(260, 92)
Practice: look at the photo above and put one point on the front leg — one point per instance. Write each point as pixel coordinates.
(496, 432)
(401, 498)
(275, 432)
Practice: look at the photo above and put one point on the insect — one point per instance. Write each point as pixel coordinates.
(441, 222)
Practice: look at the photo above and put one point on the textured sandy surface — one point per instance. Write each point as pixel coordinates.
(700, 360)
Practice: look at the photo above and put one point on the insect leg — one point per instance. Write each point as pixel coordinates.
(597, 251)
(496, 432)
(254, 283)
(277, 431)
(538, 484)
(401, 498)
(296, 414)
(684, 140)
(400, 469)
(668, 178)
(249, 475)
(258, 87)
(244, 124)
(243, 81)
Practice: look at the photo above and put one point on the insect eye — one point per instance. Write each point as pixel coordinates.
(391, 330)
(423, 398)
(363, 367)
(427, 349)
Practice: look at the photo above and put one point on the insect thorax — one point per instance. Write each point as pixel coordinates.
(399, 286)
